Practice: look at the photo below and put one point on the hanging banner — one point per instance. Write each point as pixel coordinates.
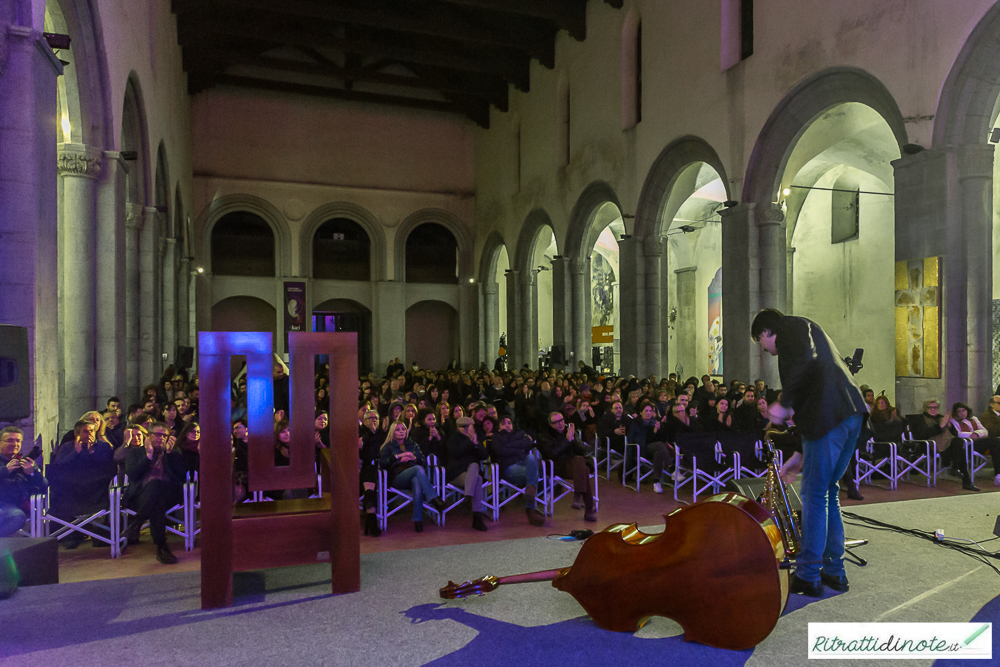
(295, 307)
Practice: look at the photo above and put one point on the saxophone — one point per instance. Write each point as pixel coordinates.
(775, 499)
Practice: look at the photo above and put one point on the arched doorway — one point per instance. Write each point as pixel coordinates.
(431, 335)
(540, 264)
(604, 303)
(493, 270)
(836, 192)
(347, 316)
(242, 245)
(431, 255)
(693, 231)
(341, 250)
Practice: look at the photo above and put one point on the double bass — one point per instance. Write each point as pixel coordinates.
(718, 569)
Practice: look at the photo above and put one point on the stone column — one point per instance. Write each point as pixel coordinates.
(529, 318)
(582, 310)
(563, 308)
(790, 272)
(133, 223)
(739, 237)
(975, 174)
(29, 282)
(388, 322)
(111, 280)
(169, 299)
(770, 221)
(655, 297)
(468, 324)
(514, 316)
(150, 363)
(79, 167)
(633, 306)
(184, 302)
(687, 345)
(491, 321)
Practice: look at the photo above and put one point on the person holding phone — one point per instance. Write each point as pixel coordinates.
(19, 479)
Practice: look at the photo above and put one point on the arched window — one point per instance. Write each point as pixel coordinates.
(242, 245)
(341, 251)
(431, 255)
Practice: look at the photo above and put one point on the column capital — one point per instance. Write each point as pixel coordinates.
(528, 277)
(975, 161)
(133, 216)
(490, 287)
(686, 269)
(653, 246)
(79, 160)
(767, 215)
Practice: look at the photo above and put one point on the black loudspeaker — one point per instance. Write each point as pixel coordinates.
(185, 357)
(752, 487)
(15, 374)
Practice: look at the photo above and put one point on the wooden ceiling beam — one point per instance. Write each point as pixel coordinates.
(570, 15)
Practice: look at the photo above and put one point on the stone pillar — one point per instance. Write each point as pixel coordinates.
(582, 311)
(388, 322)
(28, 212)
(790, 272)
(529, 318)
(169, 299)
(111, 280)
(563, 308)
(687, 344)
(739, 291)
(79, 167)
(633, 306)
(150, 364)
(655, 297)
(468, 324)
(184, 302)
(514, 317)
(133, 223)
(770, 221)
(491, 321)
(975, 174)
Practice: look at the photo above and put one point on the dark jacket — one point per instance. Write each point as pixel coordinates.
(421, 435)
(387, 457)
(16, 488)
(814, 380)
(101, 451)
(556, 447)
(138, 465)
(642, 433)
(510, 448)
(462, 453)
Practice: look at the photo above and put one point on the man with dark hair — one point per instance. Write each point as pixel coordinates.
(84, 446)
(828, 408)
(156, 475)
(19, 479)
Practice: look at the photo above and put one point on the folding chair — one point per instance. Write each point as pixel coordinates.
(607, 458)
(392, 500)
(503, 492)
(632, 453)
(552, 494)
(876, 458)
(182, 514)
(78, 490)
(701, 454)
(454, 496)
(974, 459)
(916, 456)
(747, 453)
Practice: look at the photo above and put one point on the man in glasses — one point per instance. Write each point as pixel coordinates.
(156, 476)
(558, 442)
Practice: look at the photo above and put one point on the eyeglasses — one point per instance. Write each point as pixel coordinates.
(556, 422)
(932, 407)
(159, 434)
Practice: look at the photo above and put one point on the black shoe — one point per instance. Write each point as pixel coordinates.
(838, 584)
(853, 493)
(438, 504)
(132, 534)
(969, 486)
(535, 518)
(477, 522)
(418, 526)
(164, 555)
(813, 589)
(73, 540)
(371, 525)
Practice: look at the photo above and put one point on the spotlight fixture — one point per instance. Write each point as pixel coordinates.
(130, 156)
(730, 203)
(687, 229)
(200, 269)
(56, 40)
(786, 192)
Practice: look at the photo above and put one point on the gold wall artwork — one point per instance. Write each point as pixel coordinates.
(918, 318)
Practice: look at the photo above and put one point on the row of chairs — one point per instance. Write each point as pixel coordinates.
(898, 461)
(497, 491)
(702, 461)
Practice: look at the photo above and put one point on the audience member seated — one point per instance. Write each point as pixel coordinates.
(723, 415)
(746, 415)
(964, 424)
(241, 461)
(19, 479)
(405, 463)
(189, 442)
(462, 466)
(613, 425)
(156, 477)
(931, 425)
(885, 421)
(511, 450)
(557, 443)
(370, 439)
(991, 421)
(651, 437)
(91, 489)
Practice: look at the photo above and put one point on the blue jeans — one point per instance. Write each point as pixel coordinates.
(415, 480)
(824, 462)
(523, 474)
(12, 519)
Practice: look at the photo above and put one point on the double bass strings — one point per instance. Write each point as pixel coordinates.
(875, 524)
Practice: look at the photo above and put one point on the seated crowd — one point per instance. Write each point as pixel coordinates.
(412, 422)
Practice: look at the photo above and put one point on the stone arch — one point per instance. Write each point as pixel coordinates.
(456, 226)
(490, 254)
(350, 211)
(582, 235)
(797, 111)
(968, 105)
(532, 226)
(672, 160)
(161, 189)
(243, 202)
(135, 137)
